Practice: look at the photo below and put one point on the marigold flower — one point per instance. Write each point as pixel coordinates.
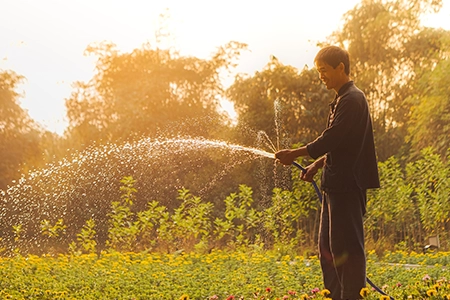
(384, 297)
(184, 297)
(431, 293)
(325, 292)
(364, 292)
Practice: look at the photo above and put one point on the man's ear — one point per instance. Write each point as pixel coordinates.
(341, 67)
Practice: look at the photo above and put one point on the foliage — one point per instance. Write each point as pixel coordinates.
(281, 101)
(154, 225)
(412, 203)
(52, 231)
(241, 219)
(281, 219)
(431, 178)
(19, 134)
(392, 213)
(123, 230)
(148, 90)
(390, 50)
(411, 206)
(217, 275)
(429, 121)
(191, 222)
(86, 242)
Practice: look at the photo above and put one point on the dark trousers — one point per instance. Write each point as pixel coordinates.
(341, 243)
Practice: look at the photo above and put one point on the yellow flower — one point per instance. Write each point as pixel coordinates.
(304, 297)
(325, 292)
(431, 293)
(384, 297)
(364, 292)
(184, 297)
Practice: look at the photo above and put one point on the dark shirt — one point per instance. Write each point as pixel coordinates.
(348, 143)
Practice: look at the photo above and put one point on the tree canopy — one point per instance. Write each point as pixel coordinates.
(282, 98)
(390, 50)
(19, 134)
(149, 89)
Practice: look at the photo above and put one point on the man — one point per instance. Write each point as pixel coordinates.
(346, 152)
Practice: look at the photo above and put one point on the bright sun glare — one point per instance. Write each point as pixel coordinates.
(45, 40)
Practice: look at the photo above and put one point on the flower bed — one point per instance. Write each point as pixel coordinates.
(217, 275)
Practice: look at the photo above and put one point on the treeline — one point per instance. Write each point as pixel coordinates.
(156, 93)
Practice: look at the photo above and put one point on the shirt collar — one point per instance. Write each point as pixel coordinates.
(344, 88)
(342, 91)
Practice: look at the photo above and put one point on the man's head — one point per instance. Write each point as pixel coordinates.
(333, 65)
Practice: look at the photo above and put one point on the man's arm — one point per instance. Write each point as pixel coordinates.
(320, 162)
(288, 156)
(312, 169)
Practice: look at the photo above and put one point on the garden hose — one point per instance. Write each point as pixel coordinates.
(319, 194)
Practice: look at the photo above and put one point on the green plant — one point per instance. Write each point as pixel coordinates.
(123, 228)
(86, 242)
(191, 221)
(241, 219)
(52, 231)
(154, 225)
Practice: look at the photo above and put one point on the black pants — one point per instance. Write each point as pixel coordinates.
(341, 243)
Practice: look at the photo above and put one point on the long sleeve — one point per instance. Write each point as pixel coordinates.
(348, 144)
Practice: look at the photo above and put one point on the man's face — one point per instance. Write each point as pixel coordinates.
(330, 76)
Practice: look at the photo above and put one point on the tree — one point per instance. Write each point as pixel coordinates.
(430, 177)
(430, 116)
(378, 36)
(149, 91)
(282, 102)
(19, 135)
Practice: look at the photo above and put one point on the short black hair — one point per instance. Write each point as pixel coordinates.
(333, 56)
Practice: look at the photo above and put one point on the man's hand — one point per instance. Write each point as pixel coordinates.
(311, 170)
(286, 156)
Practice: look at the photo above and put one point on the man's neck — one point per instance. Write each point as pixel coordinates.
(341, 84)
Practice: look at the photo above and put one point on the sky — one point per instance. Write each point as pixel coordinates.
(45, 40)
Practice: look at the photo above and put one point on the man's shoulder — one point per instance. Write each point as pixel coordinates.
(353, 90)
(353, 98)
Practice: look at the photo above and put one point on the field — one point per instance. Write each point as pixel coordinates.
(249, 274)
